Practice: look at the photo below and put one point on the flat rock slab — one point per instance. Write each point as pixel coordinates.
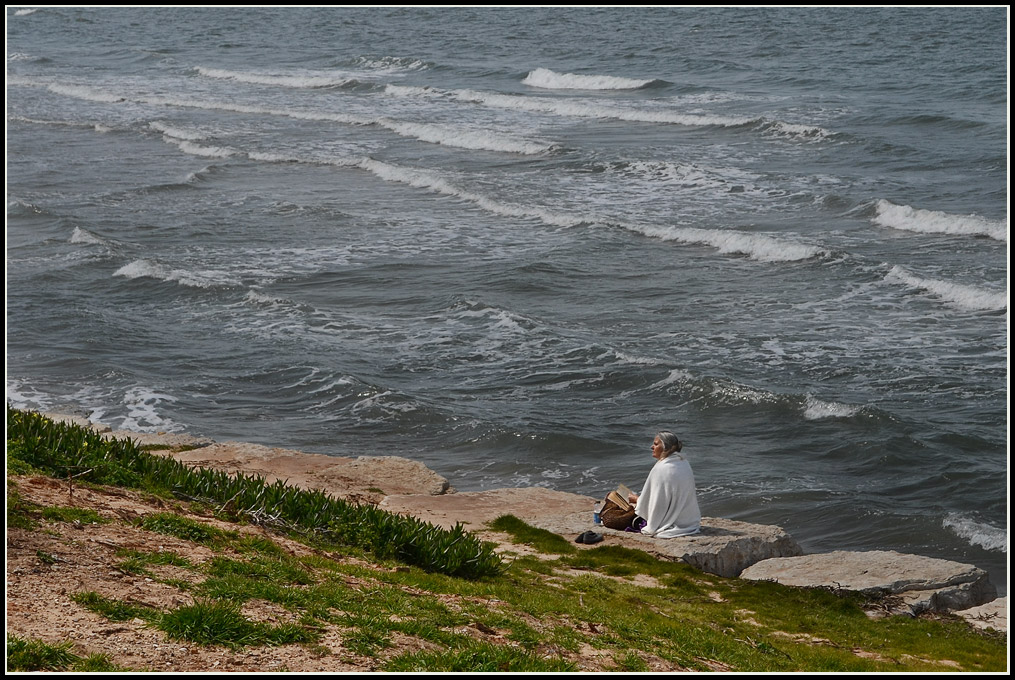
(922, 583)
(991, 615)
(173, 440)
(473, 509)
(364, 479)
(724, 547)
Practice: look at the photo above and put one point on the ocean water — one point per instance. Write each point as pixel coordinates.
(515, 243)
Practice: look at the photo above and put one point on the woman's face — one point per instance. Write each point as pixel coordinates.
(657, 449)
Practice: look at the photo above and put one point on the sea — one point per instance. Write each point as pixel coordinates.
(514, 243)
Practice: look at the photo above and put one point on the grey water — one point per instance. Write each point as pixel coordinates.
(515, 243)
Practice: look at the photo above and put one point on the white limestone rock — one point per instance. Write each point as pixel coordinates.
(922, 583)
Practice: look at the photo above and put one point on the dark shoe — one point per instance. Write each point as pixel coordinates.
(592, 537)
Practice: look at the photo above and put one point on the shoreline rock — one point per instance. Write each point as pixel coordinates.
(919, 583)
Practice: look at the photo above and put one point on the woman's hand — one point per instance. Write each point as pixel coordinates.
(632, 498)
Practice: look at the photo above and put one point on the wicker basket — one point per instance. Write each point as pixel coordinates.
(614, 515)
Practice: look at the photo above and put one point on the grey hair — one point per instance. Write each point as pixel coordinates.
(670, 442)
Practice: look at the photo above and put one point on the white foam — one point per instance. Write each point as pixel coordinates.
(737, 393)
(427, 180)
(198, 174)
(625, 358)
(392, 64)
(551, 80)
(755, 246)
(25, 12)
(907, 218)
(22, 396)
(203, 151)
(256, 298)
(570, 108)
(257, 110)
(463, 138)
(142, 404)
(80, 235)
(675, 376)
(153, 270)
(690, 176)
(304, 80)
(383, 403)
(426, 132)
(274, 157)
(816, 409)
(175, 132)
(977, 533)
(797, 130)
(87, 93)
(959, 295)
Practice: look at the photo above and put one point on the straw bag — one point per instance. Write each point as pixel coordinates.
(617, 513)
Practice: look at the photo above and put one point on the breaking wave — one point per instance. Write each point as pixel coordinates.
(574, 109)
(907, 218)
(977, 533)
(175, 132)
(306, 80)
(815, 409)
(87, 93)
(966, 297)
(755, 246)
(83, 236)
(426, 180)
(551, 80)
(153, 270)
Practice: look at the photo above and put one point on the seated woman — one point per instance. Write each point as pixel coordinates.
(668, 503)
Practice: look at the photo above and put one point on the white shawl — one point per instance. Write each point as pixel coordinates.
(668, 502)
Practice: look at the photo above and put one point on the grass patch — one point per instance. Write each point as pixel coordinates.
(25, 655)
(71, 515)
(19, 512)
(114, 610)
(270, 569)
(185, 528)
(33, 655)
(540, 539)
(137, 562)
(480, 657)
(616, 560)
(222, 623)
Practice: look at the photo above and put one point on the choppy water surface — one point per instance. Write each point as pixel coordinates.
(515, 243)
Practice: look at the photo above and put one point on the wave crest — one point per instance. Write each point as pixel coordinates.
(815, 409)
(755, 246)
(551, 80)
(303, 80)
(907, 218)
(153, 270)
(80, 235)
(574, 109)
(966, 297)
(977, 533)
